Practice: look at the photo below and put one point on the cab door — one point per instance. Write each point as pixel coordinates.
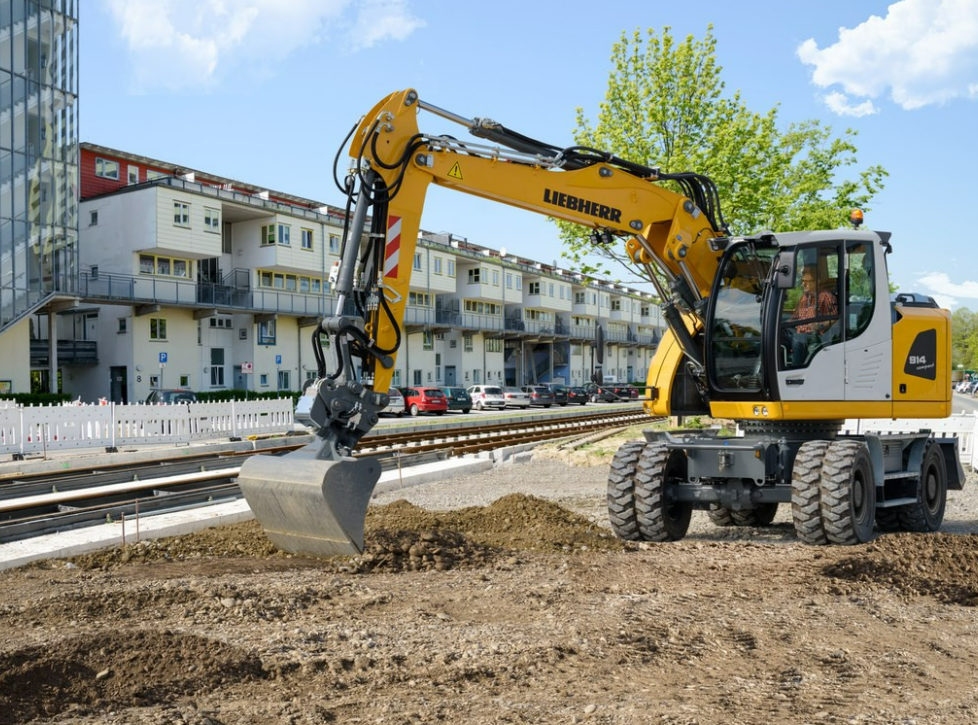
(811, 356)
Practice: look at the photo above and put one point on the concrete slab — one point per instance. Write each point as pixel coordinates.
(104, 536)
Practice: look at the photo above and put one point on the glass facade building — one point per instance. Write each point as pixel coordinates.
(38, 153)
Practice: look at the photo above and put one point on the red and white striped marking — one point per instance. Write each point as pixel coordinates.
(392, 254)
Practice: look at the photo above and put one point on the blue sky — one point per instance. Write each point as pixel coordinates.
(264, 91)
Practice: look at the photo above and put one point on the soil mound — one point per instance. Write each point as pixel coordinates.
(399, 537)
(940, 565)
(110, 670)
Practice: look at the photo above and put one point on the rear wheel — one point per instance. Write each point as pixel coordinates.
(659, 519)
(621, 491)
(478, 406)
(466, 410)
(413, 410)
(439, 412)
(720, 515)
(928, 514)
(806, 477)
(848, 493)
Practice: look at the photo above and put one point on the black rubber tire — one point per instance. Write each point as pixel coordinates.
(720, 515)
(806, 477)
(847, 491)
(658, 468)
(927, 515)
(594, 398)
(761, 515)
(439, 412)
(621, 491)
(413, 410)
(466, 410)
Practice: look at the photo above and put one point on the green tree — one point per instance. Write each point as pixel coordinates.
(964, 340)
(667, 107)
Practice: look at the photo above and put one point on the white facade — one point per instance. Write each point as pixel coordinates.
(228, 287)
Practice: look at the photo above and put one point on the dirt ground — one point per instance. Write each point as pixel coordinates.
(526, 610)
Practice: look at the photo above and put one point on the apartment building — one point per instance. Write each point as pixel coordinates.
(38, 178)
(191, 280)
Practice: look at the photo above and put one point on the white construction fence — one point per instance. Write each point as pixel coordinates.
(962, 426)
(35, 429)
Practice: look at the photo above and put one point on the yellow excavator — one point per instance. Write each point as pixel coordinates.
(788, 334)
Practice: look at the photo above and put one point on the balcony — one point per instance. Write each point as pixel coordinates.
(76, 353)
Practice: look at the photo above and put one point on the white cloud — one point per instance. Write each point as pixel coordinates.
(923, 52)
(947, 293)
(181, 44)
(839, 103)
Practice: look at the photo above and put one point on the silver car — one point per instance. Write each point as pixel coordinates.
(395, 406)
(515, 397)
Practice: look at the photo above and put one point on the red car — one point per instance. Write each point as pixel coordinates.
(424, 400)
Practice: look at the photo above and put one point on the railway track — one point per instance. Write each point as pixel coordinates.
(36, 504)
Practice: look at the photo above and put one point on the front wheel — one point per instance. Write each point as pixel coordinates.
(848, 493)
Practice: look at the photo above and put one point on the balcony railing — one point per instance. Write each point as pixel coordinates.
(70, 352)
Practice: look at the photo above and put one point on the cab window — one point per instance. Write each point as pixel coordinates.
(810, 312)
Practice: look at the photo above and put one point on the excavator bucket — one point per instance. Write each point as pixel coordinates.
(308, 505)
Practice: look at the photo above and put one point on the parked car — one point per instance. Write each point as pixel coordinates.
(560, 392)
(424, 400)
(577, 395)
(515, 397)
(171, 396)
(458, 399)
(599, 394)
(395, 404)
(539, 395)
(487, 396)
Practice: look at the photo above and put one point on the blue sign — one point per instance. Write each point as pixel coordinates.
(278, 359)
(162, 357)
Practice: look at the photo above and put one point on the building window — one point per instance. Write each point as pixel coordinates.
(157, 328)
(534, 288)
(307, 239)
(437, 265)
(519, 283)
(452, 344)
(212, 220)
(419, 299)
(267, 234)
(284, 235)
(263, 380)
(184, 381)
(428, 340)
(578, 298)
(417, 261)
(616, 305)
(283, 380)
(417, 377)
(152, 175)
(133, 174)
(123, 324)
(494, 345)
(107, 169)
(509, 280)
(334, 244)
(451, 267)
(550, 287)
(266, 332)
(165, 266)
(242, 333)
(495, 278)
(645, 311)
(217, 367)
(467, 343)
(93, 219)
(181, 214)
(475, 275)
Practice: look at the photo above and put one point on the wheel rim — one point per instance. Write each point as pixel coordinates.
(932, 491)
(861, 500)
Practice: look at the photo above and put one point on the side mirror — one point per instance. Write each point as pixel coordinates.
(784, 271)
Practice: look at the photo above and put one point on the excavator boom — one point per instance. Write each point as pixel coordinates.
(314, 501)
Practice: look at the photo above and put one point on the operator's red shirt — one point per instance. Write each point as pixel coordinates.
(808, 308)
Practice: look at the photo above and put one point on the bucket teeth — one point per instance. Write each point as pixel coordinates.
(307, 505)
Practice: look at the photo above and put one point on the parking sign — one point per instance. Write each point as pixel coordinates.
(162, 358)
(278, 359)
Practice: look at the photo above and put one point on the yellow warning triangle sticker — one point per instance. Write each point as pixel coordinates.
(455, 172)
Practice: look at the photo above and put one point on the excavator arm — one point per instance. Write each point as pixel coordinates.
(314, 501)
